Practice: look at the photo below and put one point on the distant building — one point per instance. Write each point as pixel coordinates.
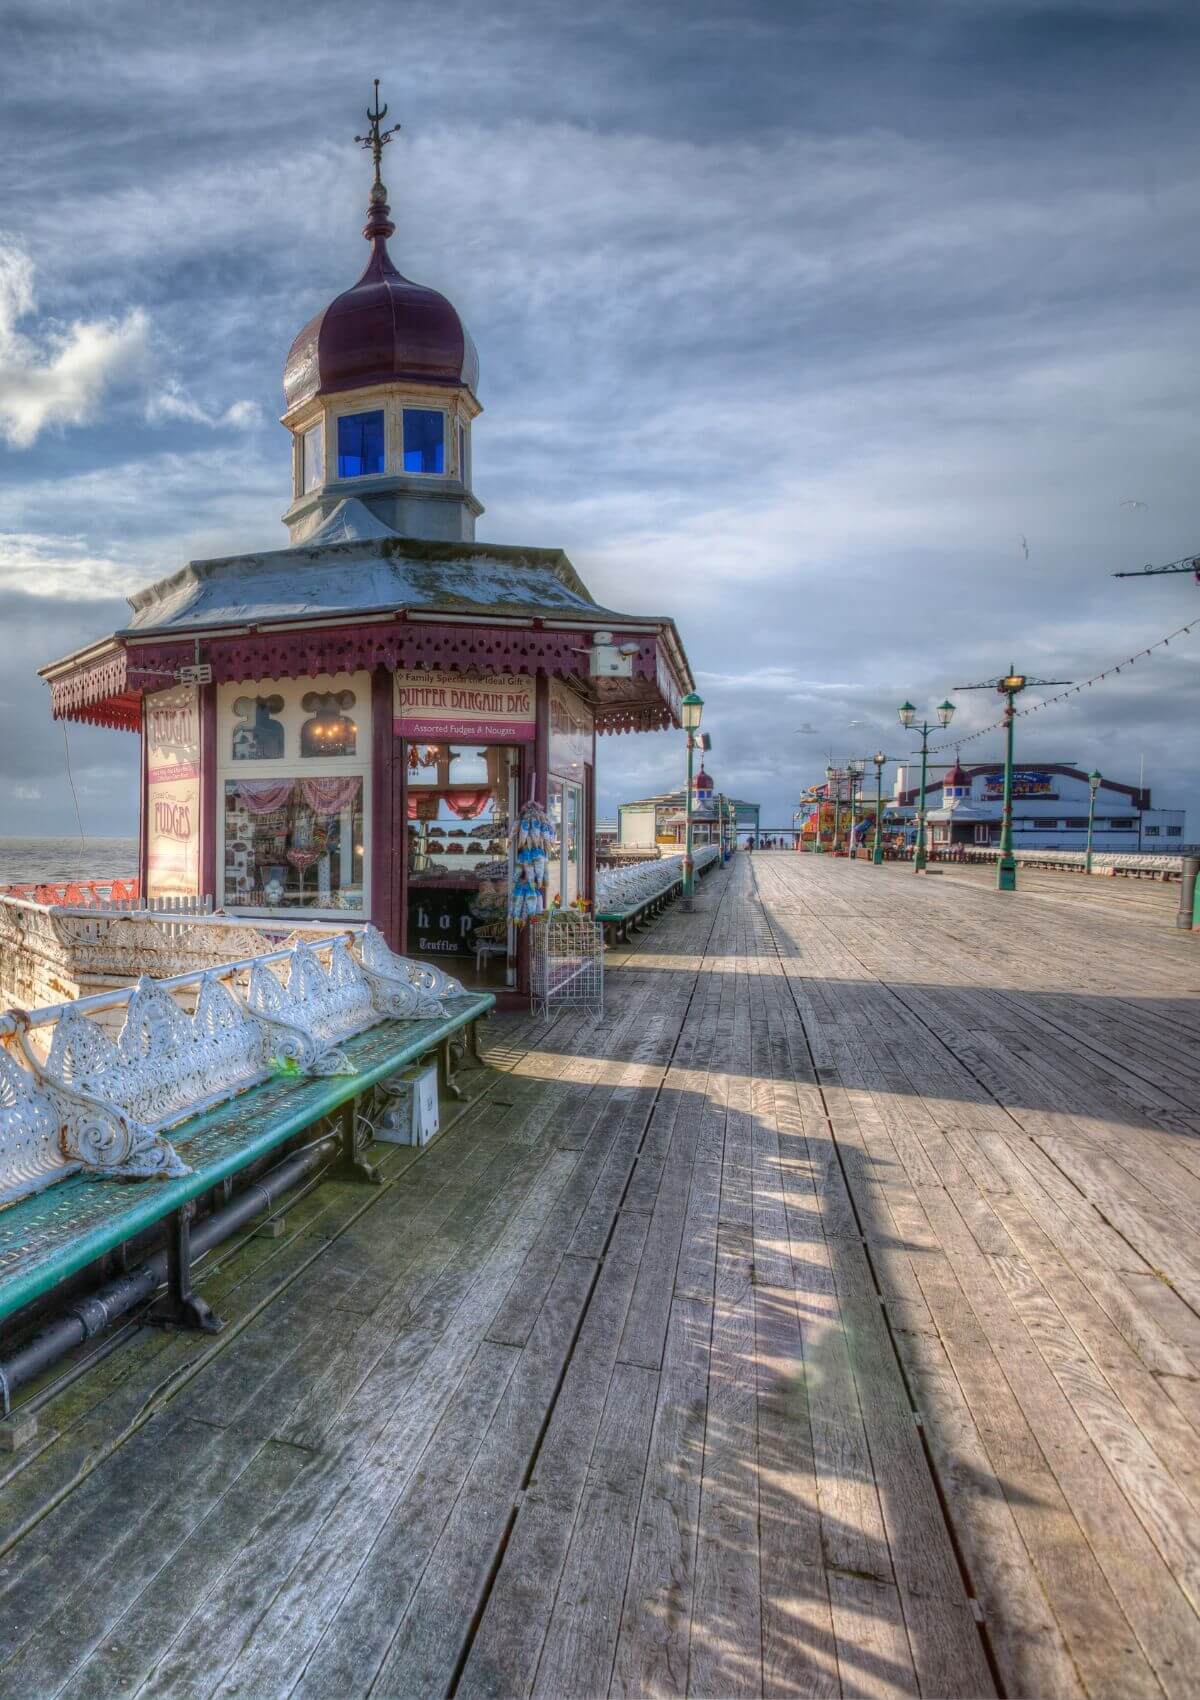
(661, 820)
(1050, 809)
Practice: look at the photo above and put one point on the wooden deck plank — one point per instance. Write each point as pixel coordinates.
(615, 1388)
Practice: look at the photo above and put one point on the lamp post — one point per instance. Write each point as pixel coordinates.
(1093, 787)
(908, 714)
(834, 777)
(877, 854)
(855, 768)
(1009, 685)
(691, 709)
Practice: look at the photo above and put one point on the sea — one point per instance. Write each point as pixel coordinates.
(40, 861)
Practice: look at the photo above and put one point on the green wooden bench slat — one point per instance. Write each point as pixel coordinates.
(45, 1238)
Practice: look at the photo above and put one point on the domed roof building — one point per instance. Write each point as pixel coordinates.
(380, 385)
(353, 722)
(384, 330)
(955, 820)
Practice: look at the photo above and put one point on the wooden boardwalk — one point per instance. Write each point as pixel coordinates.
(824, 1320)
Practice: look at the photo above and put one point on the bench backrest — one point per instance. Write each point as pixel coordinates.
(104, 1104)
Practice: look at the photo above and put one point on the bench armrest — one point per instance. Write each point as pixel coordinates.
(97, 1133)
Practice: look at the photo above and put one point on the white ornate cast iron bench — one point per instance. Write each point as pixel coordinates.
(184, 1101)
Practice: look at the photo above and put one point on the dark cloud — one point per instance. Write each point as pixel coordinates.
(839, 332)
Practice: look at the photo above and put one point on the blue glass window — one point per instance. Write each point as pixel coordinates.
(424, 440)
(360, 444)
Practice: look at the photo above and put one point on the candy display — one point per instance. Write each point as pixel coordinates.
(535, 843)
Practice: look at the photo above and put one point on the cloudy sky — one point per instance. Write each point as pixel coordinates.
(861, 337)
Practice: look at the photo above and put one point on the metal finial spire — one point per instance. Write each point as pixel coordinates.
(377, 139)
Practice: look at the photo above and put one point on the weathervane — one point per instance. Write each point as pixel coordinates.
(377, 139)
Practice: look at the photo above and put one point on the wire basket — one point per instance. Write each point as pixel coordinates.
(567, 951)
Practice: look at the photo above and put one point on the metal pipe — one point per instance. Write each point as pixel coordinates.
(94, 1312)
(1189, 869)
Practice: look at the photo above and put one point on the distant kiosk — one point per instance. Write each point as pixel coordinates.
(348, 726)
(659, 821)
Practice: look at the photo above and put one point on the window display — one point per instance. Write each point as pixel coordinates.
(294, 793)
(294, 843)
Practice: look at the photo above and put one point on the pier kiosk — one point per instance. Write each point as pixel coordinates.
(349, 725)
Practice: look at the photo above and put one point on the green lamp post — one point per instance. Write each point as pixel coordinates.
(877, 853)
(1009, 685)
(691, 709)
(1094, 783)
(908, 715)
(855, 768)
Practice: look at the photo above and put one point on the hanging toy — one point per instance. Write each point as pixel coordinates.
(535, 841)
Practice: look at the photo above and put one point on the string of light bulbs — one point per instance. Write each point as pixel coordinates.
(1070, 690)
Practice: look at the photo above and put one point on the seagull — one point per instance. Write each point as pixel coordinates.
(1132, 502)
(1025, 545)
(806, 731)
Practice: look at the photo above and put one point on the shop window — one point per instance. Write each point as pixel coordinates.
(257, 734)
(1174, 832)
(312, 459)
(294, 843)
(1152, 832)
(360, 444)
(329, 731)
(424, 440)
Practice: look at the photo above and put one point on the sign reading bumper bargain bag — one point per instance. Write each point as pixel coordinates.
(498, 708)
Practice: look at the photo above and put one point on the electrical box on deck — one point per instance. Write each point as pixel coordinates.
(414, 1115)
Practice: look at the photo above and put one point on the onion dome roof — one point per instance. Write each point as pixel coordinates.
(702, 782)
(956, 777)
(385, 329)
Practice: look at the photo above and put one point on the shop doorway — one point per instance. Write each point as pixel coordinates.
(461, 803)
(565, 872)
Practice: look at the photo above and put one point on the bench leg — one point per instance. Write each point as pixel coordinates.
(351, 1164)
(446, 1070)
(179, 1306)
(471, 1040)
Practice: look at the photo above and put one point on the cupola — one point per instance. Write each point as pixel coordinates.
(379, 389)
(956, 784)
(702, 785)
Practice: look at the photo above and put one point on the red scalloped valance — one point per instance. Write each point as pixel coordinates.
(407, 644)
(98, 692)
(107, 692)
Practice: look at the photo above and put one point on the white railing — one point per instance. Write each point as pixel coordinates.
(73, 1097)
(1162, 864)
